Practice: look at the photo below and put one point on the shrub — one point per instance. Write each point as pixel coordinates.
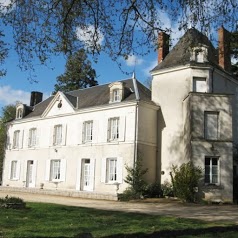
(167, 189)
(12, 202)
(185, 179)
(153, 190)
(128, 194)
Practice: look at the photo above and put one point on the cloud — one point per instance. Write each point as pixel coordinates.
(150, 67)
(133, 60)
(87, 36)
(9, 95)
(6, 5)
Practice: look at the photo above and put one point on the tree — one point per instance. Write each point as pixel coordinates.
(119, 28)
(78, 73)
(8, 113)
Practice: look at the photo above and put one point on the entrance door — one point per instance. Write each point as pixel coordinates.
(86, 175)
(29, 175)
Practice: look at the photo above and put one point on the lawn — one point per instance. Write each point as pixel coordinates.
(50, 220)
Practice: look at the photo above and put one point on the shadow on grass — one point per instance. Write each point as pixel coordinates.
(176, 233)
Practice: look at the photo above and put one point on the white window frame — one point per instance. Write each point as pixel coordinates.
(16, 139)
(32, 137)
(111, 170)
(116, 95)
(55, 170)
(14, 166)
(210, 171)
(58, 134)
(88, 131)
(113, 131)
(206, 125)
(199, 79)
(19, 113)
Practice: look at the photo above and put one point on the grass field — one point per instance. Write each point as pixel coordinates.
(50, 220)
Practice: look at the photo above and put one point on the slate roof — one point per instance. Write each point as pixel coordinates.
(180, 54)
(95, 96)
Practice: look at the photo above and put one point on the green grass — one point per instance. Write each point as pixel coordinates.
(50, 220)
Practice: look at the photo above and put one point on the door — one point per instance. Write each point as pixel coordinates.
(30, 174)
(86, 175)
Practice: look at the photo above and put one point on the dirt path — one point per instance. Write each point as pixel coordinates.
(228, 213)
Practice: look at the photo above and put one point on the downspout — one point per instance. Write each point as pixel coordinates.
(136, 119)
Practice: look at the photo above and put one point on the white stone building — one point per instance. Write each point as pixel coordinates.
(79, 142)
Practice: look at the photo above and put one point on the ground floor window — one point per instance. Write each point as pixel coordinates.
(212, 170)
(13, 170)
(111, 170)
(55, 170)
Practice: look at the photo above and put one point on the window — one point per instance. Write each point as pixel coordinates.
(211, 170)
(113, 124)
(111, 170)
(57, 140)
(32, 137)
(211, 125)
(199, 85)
(88, 131)
(19, 113)
(116, 95)
(16, 137)
(13, 170)
(55, 170)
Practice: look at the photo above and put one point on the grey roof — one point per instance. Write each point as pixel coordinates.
(95, 96)
(180, 54)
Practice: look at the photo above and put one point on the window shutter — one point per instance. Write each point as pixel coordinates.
(103, 170)
(108, 129)
(34, 172)
(64, 134)
(122, 128)
(62, 170)
(78, 178)
(38, 137)
(47, 170)
(27, 138)
(21, 139)
(92, 174)
(10, 170)
(18, 169)
(120, 169)
(80, 133)
(83, 132)
(52, 136)
(95, 131)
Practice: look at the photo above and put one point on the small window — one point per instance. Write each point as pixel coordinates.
(211, 125)
(55, 170)
(111, 170)
(19, 113)
(211, 170)
(16, 138)
(13, 170)
(32, 137)
(88, 131)
(113, 133)
(57, 140)
(199, 85)
(116, 95)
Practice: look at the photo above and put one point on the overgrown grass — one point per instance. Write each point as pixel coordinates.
(50, 220)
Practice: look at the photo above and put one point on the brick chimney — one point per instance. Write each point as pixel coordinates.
(36, 97)
(224, 49)
(163, 46)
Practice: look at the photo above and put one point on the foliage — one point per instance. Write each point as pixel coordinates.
(153, 190)
(118, 28)
(68, 221)
(185, 179)
(78, 73)
(8, 113)
(135, 177)
(12, 202)
(167, 189)
(129, 194)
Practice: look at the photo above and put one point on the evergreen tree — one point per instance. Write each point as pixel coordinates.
(78, 73)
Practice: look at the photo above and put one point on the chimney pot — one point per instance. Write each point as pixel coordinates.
(163, 46)
(36, 97)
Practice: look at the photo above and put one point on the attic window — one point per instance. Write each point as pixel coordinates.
(116, 95)
(199, 54)
(116, 92)
(19, 113)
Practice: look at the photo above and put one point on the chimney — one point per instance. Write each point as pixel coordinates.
(163, 46)
(224, 48)
(36, 97)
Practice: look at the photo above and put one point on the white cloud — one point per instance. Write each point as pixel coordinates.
(9, 95)
(133, 60)
(150, 67)
(87, 36)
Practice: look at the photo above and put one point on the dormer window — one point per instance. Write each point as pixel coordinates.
(116, 95)
(116, 92)
(199, 54)
(20, 110)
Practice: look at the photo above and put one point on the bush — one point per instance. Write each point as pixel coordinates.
(185, 179)
(167, 189)
(153, 191)
(128, 194)
(12, 202)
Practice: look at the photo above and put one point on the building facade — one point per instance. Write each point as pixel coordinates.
(81, 141)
